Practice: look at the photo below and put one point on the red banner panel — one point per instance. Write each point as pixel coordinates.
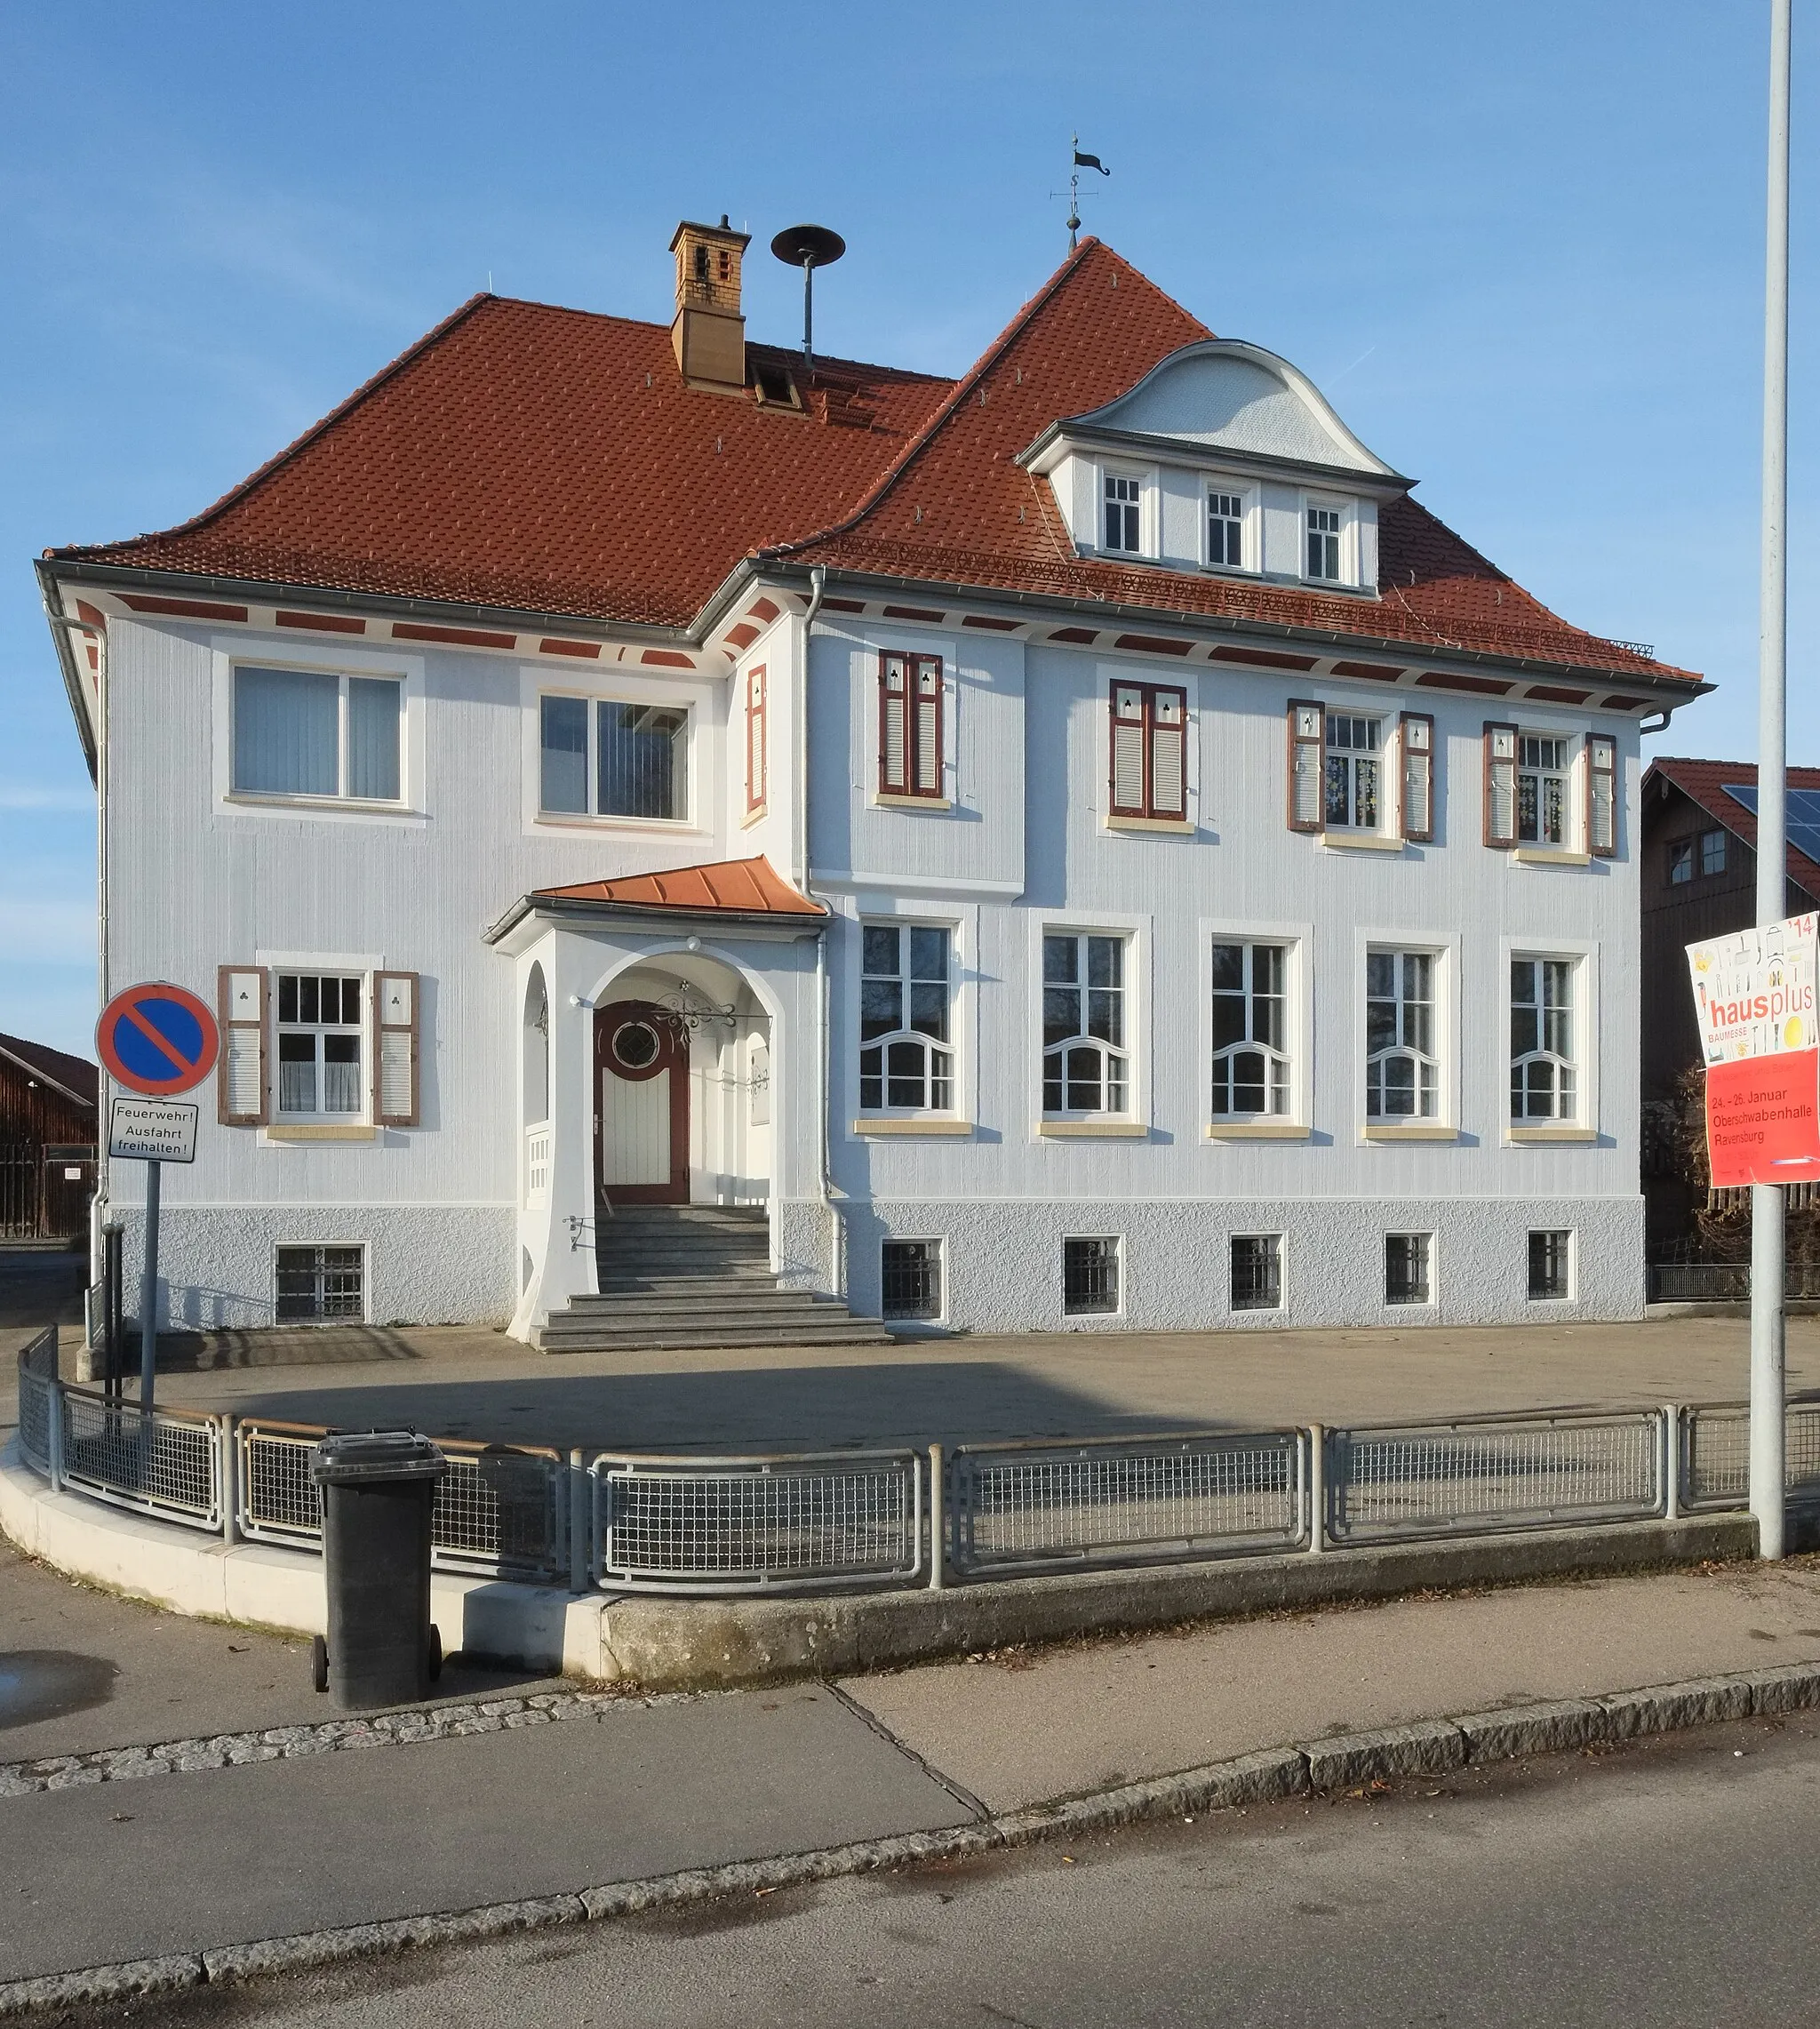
(1762, 1120)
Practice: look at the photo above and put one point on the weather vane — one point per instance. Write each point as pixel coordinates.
(1079, 162)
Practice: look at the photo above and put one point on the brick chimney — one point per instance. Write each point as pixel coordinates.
(709, 328)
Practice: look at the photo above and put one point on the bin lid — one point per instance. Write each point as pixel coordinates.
(365, 1457)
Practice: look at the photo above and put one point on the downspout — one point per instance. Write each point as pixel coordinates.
(837, 1275)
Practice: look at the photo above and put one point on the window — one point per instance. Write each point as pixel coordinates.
(304, 732)
(903, 995)
(1542, 789)
(1551, 1266)
(1406, 1256)
(633, 758)
(1225, 530)
(319, 1045)
(910, 725)
(1089, 1277)
(755, 754)
(911, 1279)
(1257, 1271)
(319, 1285)
(1711, 852)
(1251, 1029)
(1149, 751)
(1402, 1075)
(1350, 800)
(1324, 544)
(1542, 1038)
(1123, 502)
(1680, 862)
(1084, 1065)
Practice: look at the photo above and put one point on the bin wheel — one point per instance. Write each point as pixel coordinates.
(319, 1662)
(435, 1653)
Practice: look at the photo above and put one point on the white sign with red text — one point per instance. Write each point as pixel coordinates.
(1755, 991)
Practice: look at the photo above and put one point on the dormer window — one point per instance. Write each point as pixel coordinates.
(1123, 502)
(1225, 530)
(1324, 544)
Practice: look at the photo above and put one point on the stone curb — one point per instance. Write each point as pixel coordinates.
(1322, 1767)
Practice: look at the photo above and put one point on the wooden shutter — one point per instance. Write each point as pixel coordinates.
(928, 778)
(1169, 730)
(893, 725)
(755, 754)
(1500, 785)
(1308, 764)
(395, 996)
(1418, 777)
(1601, 796)
(240, 1075)
(1127, 751)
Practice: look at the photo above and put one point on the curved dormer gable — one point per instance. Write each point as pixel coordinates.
(1223, 458)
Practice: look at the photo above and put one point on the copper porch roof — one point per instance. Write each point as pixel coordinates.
(724, 887)
(553, 461)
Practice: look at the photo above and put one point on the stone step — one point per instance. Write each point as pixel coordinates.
(591, 1337)
(695, 1298)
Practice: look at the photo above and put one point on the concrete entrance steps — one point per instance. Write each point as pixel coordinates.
(695, 1275)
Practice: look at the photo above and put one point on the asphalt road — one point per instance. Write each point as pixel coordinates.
(1668, 1883)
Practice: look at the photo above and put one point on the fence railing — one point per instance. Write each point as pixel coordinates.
(1123, 1500)
(835, 1520)
(1723, 1282)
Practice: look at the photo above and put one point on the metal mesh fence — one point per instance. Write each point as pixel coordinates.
(1126, 1500)
(163, 1464)
(1475, 1479)
(1715, 1455)
(278, 1501)
(752, 1524)
(37, 1376)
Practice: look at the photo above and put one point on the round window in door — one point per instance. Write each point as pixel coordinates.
(641, 1097)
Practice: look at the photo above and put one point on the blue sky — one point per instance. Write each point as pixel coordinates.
(1518, 246)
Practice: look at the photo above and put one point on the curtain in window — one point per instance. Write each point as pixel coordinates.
(643, 761)
(372, 738)
(286, 732)
(565, 754)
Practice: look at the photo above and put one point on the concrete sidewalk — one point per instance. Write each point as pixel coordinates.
(342, 1832)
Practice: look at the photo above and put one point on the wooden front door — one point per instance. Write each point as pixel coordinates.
(641, 1122)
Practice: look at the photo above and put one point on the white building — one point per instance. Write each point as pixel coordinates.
(1073, 846)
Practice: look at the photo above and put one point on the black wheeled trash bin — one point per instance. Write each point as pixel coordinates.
(379, 1489)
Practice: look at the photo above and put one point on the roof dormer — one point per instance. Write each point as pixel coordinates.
(1223, 458)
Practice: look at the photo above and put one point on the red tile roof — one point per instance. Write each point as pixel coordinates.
(729, 887)
(550, 460)
(1706, 781)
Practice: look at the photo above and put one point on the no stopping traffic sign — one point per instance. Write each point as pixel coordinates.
(158, 1039)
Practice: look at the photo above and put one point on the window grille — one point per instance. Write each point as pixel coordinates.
(1324, 543)
(1251, 1029)
(1402, 1075)
(1550, 1265)
(1149, 751)
(319, 1045)
(1542, 790)
(911, 1275)
(904, 1019)
(1123, 502)
(1257, 1271)
(1089, 1277)
(1084, 1065)
(1351, 790)
(1225, 528)
(320, 1285)
(1542, 1038)
(1406, 1259)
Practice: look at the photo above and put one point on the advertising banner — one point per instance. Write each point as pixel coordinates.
(1754, 999)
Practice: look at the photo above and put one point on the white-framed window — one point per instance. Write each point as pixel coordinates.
(1122, 516)
(1352, 791)
(1551, 1265)
(1544, 1082)
(320, 1285)
(1408, 1267)
(1086, 1057)
(1403, 1029)
(910, 1280)
(1322, 531)
(1257, 1271)
(1251, 1048)
(1545, 785)
(614, 757)
(321, 1046)
(906, 1059)
(317, 733)
(1090, 1277)
(1226, 527)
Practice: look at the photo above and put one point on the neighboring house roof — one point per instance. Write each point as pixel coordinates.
(78, 1080)
(738, 889)
(553, 461)
(1706, 782)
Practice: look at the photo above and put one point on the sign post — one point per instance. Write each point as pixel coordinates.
(155, 1040)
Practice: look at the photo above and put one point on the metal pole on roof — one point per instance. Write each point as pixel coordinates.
(1768, 1351)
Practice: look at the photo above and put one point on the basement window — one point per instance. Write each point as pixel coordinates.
(1089, 1277)
(322, 1285)
(912, 1276)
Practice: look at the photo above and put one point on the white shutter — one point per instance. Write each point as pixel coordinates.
(893, 768)
(1169, 789)
(1307, 763)
(239, 1077)
(1601, 796)
(396, 1048)
(929, 727)
(1418, 777)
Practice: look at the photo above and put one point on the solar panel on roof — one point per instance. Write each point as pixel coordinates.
(1803, 815)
